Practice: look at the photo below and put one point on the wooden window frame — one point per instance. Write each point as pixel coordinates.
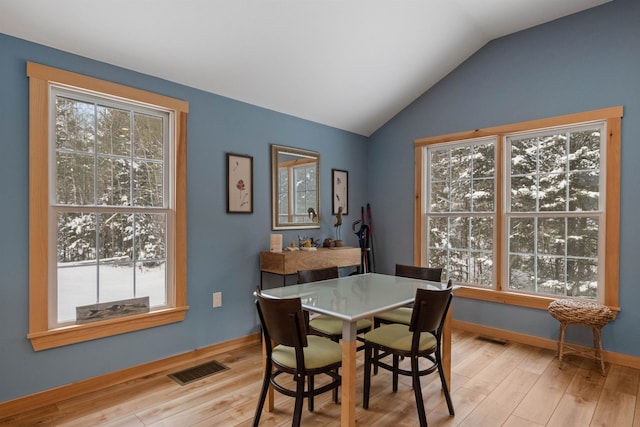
(613, 117)
(41, 336)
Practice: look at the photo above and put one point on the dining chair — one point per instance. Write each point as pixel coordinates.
(324, 325)
(419, 340)
(291, 351)
(403, 314)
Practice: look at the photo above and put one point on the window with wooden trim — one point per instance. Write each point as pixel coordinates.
(524, 213)
(107, 214)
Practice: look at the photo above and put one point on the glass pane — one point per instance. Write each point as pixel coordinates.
(551, 236)
(76, 287)
(461, 196)
(459, 233)
(482, 269)
(438, 232)
(584, 191)
(521, 273)
(148, 188)
(116, 282)
(116, 237)
(461, 163)
(74, 179)
(521, 235)
(113, 181)
(552, 191)
(439, 165)
(523, 194)
(582, 234)
(524, 156)
(150, 238)
(439, 258)
(483, 195)
(75, 125)
(76, 240)
(582, 278)
(483, 160)
(113, 131)
(151, 282)
(147, 137)
(482, 233)
(439, 197)
(551, 275)
(584, 147)
(459, 266)
(553, 153)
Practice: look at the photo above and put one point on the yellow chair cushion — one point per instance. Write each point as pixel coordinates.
(399, 315)
(398, 337)
(319, 352)
(333, 326)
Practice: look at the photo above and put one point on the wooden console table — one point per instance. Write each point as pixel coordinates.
(289, 262)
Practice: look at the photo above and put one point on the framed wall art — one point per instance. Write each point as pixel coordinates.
(239, 183)
(339, 191)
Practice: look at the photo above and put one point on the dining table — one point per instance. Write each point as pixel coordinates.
(351, 298)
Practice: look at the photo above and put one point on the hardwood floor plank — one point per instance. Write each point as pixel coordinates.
(510, 385)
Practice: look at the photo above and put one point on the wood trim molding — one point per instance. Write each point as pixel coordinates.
(502, 334)
(48, 397)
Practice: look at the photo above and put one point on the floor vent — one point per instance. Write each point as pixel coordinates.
(492, 340)
(198, 372)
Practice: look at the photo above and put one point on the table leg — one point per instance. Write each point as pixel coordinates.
(348, 403)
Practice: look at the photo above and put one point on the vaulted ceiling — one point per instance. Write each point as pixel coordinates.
(350, 64)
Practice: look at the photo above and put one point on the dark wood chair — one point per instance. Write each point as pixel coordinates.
(323, 325)
(403, 314)
(421, 339)
(291, 351)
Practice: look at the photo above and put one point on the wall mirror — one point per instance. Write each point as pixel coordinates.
(295, 188)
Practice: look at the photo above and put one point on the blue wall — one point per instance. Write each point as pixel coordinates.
(583, 62)
(222, 248)
(586, 61)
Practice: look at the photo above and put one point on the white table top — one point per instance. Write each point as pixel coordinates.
(355, 297)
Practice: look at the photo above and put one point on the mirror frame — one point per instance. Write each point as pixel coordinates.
(275, 223)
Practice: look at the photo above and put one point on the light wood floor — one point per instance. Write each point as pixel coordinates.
(493, 385)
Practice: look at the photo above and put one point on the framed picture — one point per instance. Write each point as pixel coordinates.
(239, 183)
(339, 191)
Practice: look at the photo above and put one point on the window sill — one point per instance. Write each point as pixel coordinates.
(89, 331)
(511, 298)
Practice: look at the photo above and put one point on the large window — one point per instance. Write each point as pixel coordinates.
(524, 213)
(108, 208)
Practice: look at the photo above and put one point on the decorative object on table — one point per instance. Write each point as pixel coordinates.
(338, 225)
(312, 214)
(339, 191)
(239, 183)
(581, 313)
(329, 243)
(275, 243)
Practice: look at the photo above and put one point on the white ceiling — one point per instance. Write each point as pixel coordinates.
(350, 64)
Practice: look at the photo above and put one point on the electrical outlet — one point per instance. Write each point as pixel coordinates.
(217, 299)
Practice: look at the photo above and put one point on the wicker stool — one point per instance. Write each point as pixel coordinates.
(582, 313)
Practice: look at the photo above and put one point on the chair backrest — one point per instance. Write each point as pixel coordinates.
(423, 273)
(305, 276)
(429, 310)
(282, 321)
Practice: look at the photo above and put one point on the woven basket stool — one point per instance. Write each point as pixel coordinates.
(582, 313)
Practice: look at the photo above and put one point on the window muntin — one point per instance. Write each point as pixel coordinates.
(555, 183)
(460, 215)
